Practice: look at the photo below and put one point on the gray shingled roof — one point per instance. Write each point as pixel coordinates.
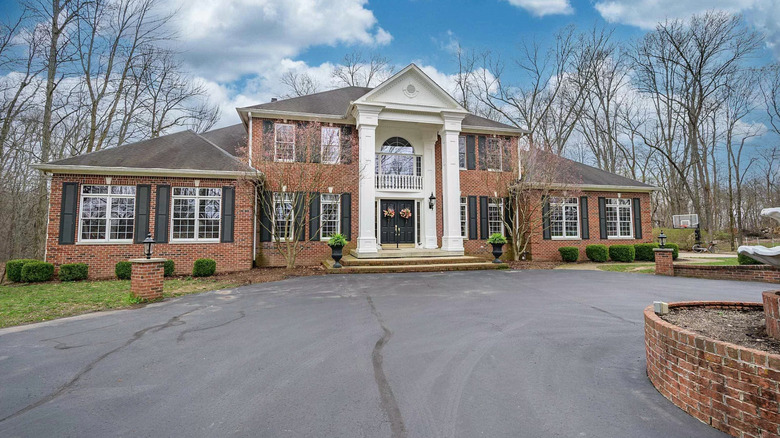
(581, 174)
(180, 150)
(336, 102)
(231, 138)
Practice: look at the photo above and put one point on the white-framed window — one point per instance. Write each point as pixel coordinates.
(284, 216)
(107, 213)
(564, 218)
(284, 142)
(495, 216)
(620, 224)
(462, 152)
(493, 154)
(464, 217)
(330, 215)
(196, 214)
(331, 144)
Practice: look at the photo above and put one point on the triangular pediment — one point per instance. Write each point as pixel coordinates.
(411, 88)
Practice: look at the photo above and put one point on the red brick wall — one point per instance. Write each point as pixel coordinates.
(146, 280)
(664, 262)
(763, 273)
(771, 300)
(102, 258)
(548, 249)
(732, 388)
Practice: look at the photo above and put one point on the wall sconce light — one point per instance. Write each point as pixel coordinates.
(431, 201)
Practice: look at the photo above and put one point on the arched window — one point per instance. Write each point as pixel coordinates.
(396, 157)
(397, 145)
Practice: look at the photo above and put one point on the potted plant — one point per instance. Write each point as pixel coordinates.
(498, 241)
(336, 244)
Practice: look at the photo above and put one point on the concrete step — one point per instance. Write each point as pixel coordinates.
(353, 261)
(421, 267)
(405, 253)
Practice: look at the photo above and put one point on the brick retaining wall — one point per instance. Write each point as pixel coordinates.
(732, 388)
(763, 273)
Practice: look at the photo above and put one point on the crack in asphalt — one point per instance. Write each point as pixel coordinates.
(173, 321)
(386, 396)
(180, 338)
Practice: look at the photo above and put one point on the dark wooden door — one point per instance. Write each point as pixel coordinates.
(396, 229)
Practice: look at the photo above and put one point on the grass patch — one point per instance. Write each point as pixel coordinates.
(26, 303)
(628, 267)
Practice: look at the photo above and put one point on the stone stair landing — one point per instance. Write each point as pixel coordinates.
(430, 261)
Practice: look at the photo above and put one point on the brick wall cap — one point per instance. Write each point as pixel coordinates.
(145, 260)
(663, 249)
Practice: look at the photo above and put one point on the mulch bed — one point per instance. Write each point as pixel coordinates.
(742, 327)
(264, 275)
(532, 265)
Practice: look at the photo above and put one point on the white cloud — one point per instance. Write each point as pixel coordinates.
(646, 14)
(541, 8)
(227, 39)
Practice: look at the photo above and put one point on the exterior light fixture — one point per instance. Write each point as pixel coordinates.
(431, 201)
(662, 239)
(148, 243)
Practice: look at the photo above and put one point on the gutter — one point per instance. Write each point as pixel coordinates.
(596, 187)
(153, 171)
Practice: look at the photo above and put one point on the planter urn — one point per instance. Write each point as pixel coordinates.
(498, 249)
(336, 253)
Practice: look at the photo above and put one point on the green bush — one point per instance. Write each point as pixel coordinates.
(204, 268)
(675, 250)
(337, 239)
(596, 253)
(622, 253)
(569, 253)
(13, 269)
(36, 271)
(497, 238)
(169, 267)
(745, 260)
(74, 272)
(123, 270)
(644, 251)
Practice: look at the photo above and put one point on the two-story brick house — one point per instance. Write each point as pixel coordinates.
(411, 148)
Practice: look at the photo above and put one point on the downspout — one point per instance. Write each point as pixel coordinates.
(254, 230)
(48, 177)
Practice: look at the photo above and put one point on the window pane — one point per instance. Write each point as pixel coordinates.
(210, 192)
(184, 191)
(462, 152)
(209, 209)
(495, 221)
(330, 215)
(123, 190)
(95, 190)
(283, 216)
(93, 207)
(93, 229)
(463, 217)
(330, 145)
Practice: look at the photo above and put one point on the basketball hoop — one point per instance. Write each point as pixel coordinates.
(685, 221)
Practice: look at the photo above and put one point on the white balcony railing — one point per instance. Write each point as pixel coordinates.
(399, 182)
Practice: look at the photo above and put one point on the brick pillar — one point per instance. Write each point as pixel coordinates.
(772, 313)
(146, 278)
(663, 261)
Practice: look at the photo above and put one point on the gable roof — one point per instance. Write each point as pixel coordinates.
(336, 103)
(180, 153)
(231, 138)
(593, 176)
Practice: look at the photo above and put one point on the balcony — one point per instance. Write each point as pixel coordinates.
(399, 172)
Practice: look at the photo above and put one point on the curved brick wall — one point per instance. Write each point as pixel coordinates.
(732, 388)
(772, 312)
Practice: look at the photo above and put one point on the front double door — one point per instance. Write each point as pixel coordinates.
(394, 228)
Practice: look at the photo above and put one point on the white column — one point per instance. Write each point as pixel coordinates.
(451, 240)
(367, 119)
(429, 186)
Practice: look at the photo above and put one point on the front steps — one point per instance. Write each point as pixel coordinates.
(433, 262)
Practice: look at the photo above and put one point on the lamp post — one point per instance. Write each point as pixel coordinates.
(431, 201)
(662, 239)
(148, 243)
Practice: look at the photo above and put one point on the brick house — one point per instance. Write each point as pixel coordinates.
(405, 146)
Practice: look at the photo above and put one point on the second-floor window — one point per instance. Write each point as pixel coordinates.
(284, 142)
(493, 155)
(331, 145)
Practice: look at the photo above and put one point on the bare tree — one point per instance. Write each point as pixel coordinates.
(358, 71)
(299, 84)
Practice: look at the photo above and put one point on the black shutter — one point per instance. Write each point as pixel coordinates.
(471, 158)
(299, 205)
(483, 217)
(268, 140)
(346, 215)
(314, 216)
(482, 152)
(637, 218)
(472, 205)
(266, 216)
(302, 139)
(68, 206)
(584, 225)
(162, 206)
(546, 235)
(143, 195)
(346, 146)
(228, 214)
(603, 218)
(508, 217)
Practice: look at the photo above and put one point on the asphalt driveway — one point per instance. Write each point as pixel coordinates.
(467, 354)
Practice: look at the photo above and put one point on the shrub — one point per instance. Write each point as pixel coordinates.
(123, 270)
(74, 272)
(337, 240)
(569, 253)
(596, 253)
(622, 253)
(13, 269)
(644, 251)
(675, 250)
(204, 268)
(169, 267)
(746, 260)
(497, 238)
(35, 271)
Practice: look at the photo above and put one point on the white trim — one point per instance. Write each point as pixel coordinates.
(338, 214)
(617, 208)
(151, 171)
(291, 230)
(108, 196)
(197, 198)
(338, 144)
(577, 216)
(276, 140)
